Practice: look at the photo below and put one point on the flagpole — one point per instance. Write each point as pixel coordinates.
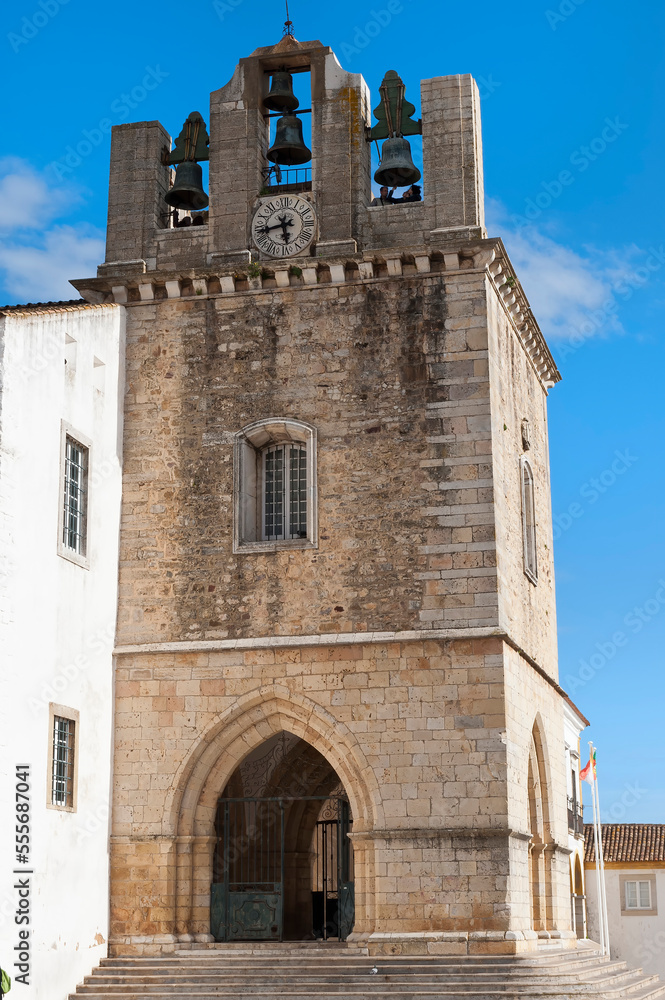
(602, 866)
(596, 838)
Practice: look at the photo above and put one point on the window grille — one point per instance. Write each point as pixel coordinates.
(62, 778)
(75, 500)
(638, 895)
(529, 523)
(284, 492)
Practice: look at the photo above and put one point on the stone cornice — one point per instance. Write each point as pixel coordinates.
(508, 288)
(299, 641)
(130, 283)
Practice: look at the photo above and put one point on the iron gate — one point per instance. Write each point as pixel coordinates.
(332, 885)
(247, 894)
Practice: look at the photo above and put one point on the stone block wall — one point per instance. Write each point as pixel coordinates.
(393, 376)
(527, 611)
(384, 646)
(138, 182)
(430, 806)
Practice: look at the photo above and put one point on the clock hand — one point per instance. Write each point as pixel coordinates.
(284, 223)
(267, 229)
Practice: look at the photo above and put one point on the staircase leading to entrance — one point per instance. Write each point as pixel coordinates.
(313, 972)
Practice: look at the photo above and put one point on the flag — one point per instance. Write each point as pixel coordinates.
(588, 773)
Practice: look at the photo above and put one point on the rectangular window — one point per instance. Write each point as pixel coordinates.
(638, 895)
(285, 492)
(62, 770)
(74, 521)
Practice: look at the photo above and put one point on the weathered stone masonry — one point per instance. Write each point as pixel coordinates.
(405, 644)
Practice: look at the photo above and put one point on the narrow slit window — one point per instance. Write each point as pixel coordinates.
(74, 526)
(62, 777)
(529, 523)
(284, 492)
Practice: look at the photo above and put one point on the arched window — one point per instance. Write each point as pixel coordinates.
(275, 479)
(529, 523)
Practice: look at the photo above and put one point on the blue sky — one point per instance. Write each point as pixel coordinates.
(574, 151)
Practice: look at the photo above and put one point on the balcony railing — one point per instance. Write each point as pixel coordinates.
(575, 818)
(291, 179)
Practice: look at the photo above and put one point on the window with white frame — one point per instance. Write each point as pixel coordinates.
(63, 749)
(529, 522)
(638, 894)
(275, 486)
(75, 500)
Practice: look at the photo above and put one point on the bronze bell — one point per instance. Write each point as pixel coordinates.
(397, 168)
(281, 96)
(187, 193)
(289, 148)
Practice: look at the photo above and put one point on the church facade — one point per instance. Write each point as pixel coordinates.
(336, 594)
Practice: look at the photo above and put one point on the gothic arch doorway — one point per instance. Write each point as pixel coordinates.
(283, 861)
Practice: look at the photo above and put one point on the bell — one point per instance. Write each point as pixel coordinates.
(187, 193)
(397, 169)
(289, 148)
(281, 96)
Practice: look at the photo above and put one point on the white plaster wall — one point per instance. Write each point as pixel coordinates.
(573, 725)
(637, 940)
(57, 624)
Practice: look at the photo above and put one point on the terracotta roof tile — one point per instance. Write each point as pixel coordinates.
(627, 842)
(40, 306)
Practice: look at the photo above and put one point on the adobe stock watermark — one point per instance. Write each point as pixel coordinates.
(96, 644)
(64, 166)
(625, 288)
(224, 7)
(636, 619)
(631, 795)
(650, 947)
(32, 25)
(592, 490)
(364, 34)
(581, 159)
(93, 822)
(565, 10)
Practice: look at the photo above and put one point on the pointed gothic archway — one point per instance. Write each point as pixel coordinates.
(192, 806)
(283, 862)
(540, 847)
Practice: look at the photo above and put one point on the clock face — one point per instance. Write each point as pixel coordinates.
(283, 226)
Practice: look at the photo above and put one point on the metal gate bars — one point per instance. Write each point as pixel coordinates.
(249, 879)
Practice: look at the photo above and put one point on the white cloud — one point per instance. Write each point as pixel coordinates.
(569, 292)
(30, 200)
(37, 258)
(41, 273)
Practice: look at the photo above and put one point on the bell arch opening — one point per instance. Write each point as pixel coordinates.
(283, 859)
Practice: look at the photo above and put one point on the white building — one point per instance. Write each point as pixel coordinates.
(61, 398)
(634, 856)
(574, 722)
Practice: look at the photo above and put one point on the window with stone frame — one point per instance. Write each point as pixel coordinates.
(529, 522)
(63, 758)
(275, 486)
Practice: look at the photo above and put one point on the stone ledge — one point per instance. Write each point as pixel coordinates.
(447, 942)
(459, 254)
(295, 641)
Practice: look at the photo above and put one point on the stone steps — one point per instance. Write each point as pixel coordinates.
(315, 972)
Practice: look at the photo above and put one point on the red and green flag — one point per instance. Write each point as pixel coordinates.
(588, 773)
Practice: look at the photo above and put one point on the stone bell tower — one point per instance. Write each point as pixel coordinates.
(336, 572)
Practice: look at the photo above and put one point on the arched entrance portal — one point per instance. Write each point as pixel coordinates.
(283, 863)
